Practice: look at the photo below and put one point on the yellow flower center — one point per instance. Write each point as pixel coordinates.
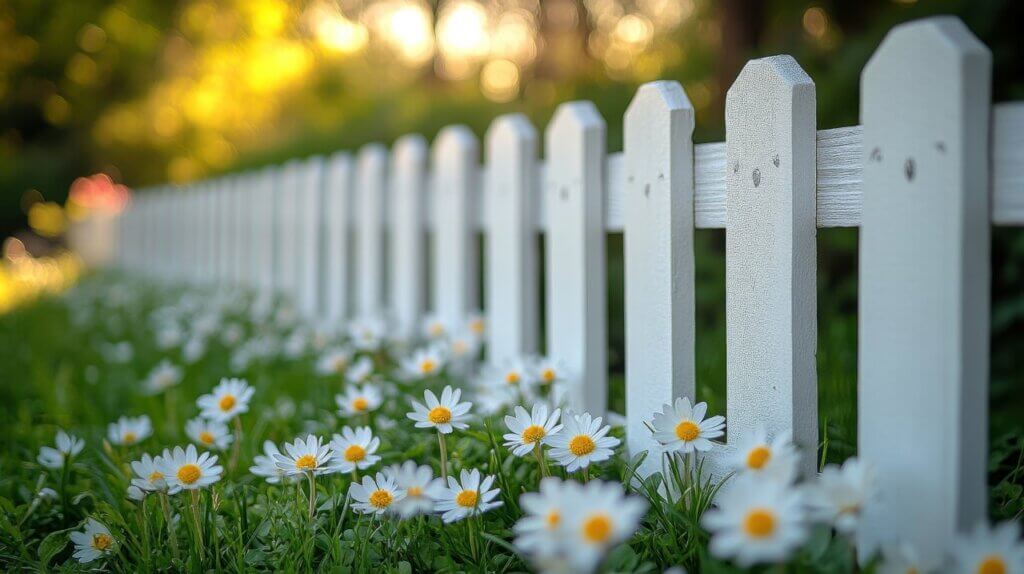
(414, 491)
(206, 437)
(466, 498)
(547, 375)
(553, 519)
(512, 378)
(339, 364)
(911, 570)
(428, 366)
(439, 415)
(129, 437)
(436, 330)
(533, 433)
(687, 431)
(759, 523)
(992, 564)
(102, 542)
(380, 498)
(189, 473)
(305, 462)
(459, 347)
(355, 453)
(477, 326)
(758, 457)
(360, 404)
(597, 528)
(227, 402)
(155, 476)
(581, 444)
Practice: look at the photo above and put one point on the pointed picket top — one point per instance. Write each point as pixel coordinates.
(454, 196)
(371, 167)
(924, 284)
(408, 183)
(511, 259)
(771, 283)
(658, 237)
(574, 250)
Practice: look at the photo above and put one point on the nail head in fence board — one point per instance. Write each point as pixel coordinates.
(309, 207)
(771, 305)
(338, 191)
(370, 201)
(575, 286)
(511, 261)
(408, 233)
(658, 236)
(924, 283)
(454, 196)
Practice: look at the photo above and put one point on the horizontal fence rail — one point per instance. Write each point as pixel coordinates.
(933, 166)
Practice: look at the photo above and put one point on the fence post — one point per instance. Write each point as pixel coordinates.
(924, 283)
(263, 240)
(511, 258)
(308, 199)
(771, 303)
(338, 193)
(658, 249)
(370, 190)
(575, 254)
(408, 234)
(454, 195)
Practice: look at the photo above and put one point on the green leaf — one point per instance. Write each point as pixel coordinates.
(51, 546)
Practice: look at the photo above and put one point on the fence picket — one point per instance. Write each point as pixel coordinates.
(408, 234)
(658, 253)
(370, 201)
(338, 192)
(575, 254)
(770, 254)
(924, 283)
(263, 240)
(309, 206)
(511, 243)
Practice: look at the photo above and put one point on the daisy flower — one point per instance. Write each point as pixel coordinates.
(903, 559)
(476, 323)
(467, 496)
(425, 362)
(185, 469)
(988, 550)
(333, 362)
(68, 446)
(93, 542)
(354, 449)
(581, 442)
(358, 400)
(445, 414)
(149, 475)
(513, 374)
(462, 347)
(420, 487)
(776, 458)
(265, 465)
(367, 333)
(838, 495)
(547, 371)
(599, 515)
(529, 430)
(756, 521)
(375, 495)
(46, 494)
(209, 433)
(194, 349)
(434, 328)
(541, 530)
(163, 376)
(128, 431)
(360, 371)
(229, 399)
(311, 455)
(682, 428)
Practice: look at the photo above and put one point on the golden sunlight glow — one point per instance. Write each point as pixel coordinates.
(499, 80)
(462, 31)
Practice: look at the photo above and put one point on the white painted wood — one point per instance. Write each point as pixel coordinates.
(770, 247)
(408, 244)
(575, 283)
(287, 215)
(223, 230)
(658, 252)
(308, 198)
(262, 230)
(455, 187)
(338, 191)
(1008, 164)
(208, 248)
(924, 284)
(511, 245)
(242, 208)
(370, 204)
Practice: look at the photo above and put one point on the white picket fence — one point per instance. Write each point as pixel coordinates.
(932, 167)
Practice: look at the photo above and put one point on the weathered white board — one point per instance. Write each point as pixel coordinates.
(338, 206)
(770, 253)
(371, 173)
(924, 284)
(511, 243)
(408, 258)
(658, 252)
(575, 254)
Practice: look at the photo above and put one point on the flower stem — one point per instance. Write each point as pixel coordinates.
(199, 525)
(238, 444)
(541, 462)
(169, 524)
(442, 444)
(471, 523)
(312, 496)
